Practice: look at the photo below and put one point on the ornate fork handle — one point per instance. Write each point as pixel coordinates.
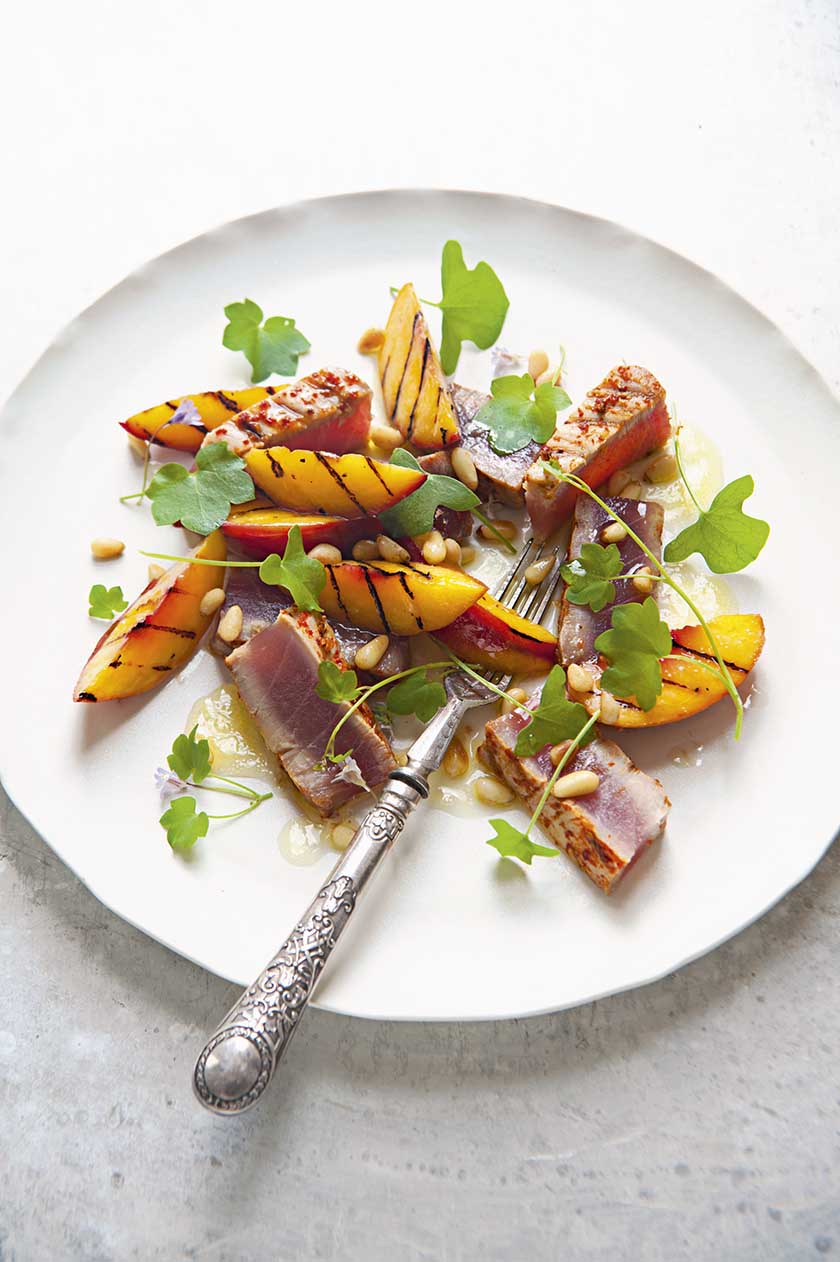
(240, 1058)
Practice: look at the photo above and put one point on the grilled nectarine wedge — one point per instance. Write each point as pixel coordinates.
(687, 686)
(403, 599)
(158, 633)
(414, 388)
(337, 486)
(265, 530)
(491, 635)
(214, 408)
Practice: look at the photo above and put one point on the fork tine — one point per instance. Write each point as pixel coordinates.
(528, 601)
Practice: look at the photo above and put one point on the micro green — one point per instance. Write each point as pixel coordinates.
(271, 347)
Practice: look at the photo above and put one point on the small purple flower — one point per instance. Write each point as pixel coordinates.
(186, 413)
(167, 783)
(351, 772)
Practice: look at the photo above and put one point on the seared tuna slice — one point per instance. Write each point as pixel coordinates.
(276, 673)
(605, 832)
(261, 603)
(327, 411)
(579, 626)
(499, 477)
(618, 422)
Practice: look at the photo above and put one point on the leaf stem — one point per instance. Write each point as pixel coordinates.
(552, 780)
(252, 806)
(485, 521)
(369, 691)
(678, 458)
(468, 670)
(166, 556)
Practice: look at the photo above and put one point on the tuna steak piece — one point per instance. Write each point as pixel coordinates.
(604, 832)
(276, 672)
(617, 423)
(327, 411)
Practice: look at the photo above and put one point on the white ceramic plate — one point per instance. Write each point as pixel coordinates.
(447, 931)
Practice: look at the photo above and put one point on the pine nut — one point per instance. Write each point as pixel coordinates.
(342, 835)
(467, 554)
(539, 570)
(642, 581)
(580, 680)
(456, 760)
(506, 529)
(515, 697)
(107, 549)
(401, 758)
(371, 654)
(211, 601)
(609, 707)
(493, 792)
(662, 469)
(155, 572)
(618, 481)
(434, 549)
(371, 341)
(537, 363)
(632, 491)
(576, 784)
(390, 550)
(453, 552)
(138, 446)
(615, 532)
(482, 755)
(385, 436)
(463, 466)
(326, 553)
(558, 752)
(547, 377)
(365, 550)
(230, 626)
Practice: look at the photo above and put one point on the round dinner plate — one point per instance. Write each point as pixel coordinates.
(448, 930)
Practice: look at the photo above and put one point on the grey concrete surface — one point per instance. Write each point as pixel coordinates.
(696, 1118)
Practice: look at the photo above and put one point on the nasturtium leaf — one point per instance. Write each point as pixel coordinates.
(513, 844)
(474, 305)
(555, 719)
(190, 758)
(520, 412)
(633, 646)
(273, 347)
(726, 538)
(184, 825)
(301, 575)
(589, 576)
(417, 694)
(335, 684)
(105, 602)
(415, 514)
(201, 500)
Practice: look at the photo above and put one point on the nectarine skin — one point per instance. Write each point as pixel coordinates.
(490, 635)
(266, 530)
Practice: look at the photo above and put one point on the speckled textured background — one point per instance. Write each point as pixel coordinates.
(698, 1118)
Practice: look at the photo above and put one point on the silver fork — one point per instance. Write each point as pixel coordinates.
(239, 1059)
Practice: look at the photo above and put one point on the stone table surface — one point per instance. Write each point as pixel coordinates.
(695, 1118)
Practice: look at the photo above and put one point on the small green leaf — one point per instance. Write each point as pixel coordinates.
(183, 824)
(273, 347)
(200, 501)
(417, 694)
(520, 412)
(415, 514)
(588, 576)
(554, 720)
(726, 538)
(105, 602)
(474, 305)
(335, 684)
(513, 844)
(301, 575)
(190, 758)
(633, 646)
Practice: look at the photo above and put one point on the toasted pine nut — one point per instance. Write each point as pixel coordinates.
(371, 341)
(385, 436)
(371, 654)
(107, 549)
(609, 707)
(538, 570)
(463, 466)
(326, 553)
(230, 626)
(576, 784)
(515, 698)
(211, 601)
(434, 549)
(138, 446)
(482, 755)
(615, 532)
(456, 760)
(662, 469)
(155, 572)
(537, 363)
(400, 757)
(580, 679)
(547, 377)
(632, 491)
(453, 552)
(390, 550)
(618, 481)
(342, 835)
(467, 554)
(365, 550)
(505, 528)
(642, 580)
(493, 792)
(558, 752)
